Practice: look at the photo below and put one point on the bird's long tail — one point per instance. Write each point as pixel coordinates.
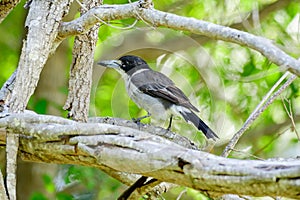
(189, 116)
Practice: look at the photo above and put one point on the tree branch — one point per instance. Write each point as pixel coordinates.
(159, 18)
(42, 22)
(130, 150)
(80, 81)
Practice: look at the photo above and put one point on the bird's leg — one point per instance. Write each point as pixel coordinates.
(138, 120)
(170, 123)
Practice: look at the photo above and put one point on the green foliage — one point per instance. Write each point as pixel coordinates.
(185, 193)
(84, 174)
(62, 196)
(11, 31)
(39, 106)
(95, 182)
(38, 196)
(50, 187)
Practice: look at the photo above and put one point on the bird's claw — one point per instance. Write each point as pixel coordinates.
(138, 122)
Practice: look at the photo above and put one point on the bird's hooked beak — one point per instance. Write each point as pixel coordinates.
(116, 64)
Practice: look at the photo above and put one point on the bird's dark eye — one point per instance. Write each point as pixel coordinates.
(125, 63)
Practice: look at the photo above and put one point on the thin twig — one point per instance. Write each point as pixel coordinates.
(271, 141)
(249, 155)
(291, 116)
(181, 193)
(258, 110)
(12, 143)
(147, 4)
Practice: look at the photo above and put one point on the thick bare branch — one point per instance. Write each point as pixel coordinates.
(42, 21)
(124, 149)
(159, 18)
(81, 69)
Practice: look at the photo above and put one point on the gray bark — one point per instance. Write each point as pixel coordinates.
(81, 70)
(113, 147)
(159, 18)
(42, 21)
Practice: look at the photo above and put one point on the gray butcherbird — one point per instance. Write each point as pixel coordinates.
(155, 92)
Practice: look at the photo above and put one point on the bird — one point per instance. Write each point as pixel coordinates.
(156, 93)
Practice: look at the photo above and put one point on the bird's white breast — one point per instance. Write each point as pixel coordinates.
(145, 101)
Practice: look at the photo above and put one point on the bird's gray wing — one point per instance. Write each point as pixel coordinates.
(159, 85)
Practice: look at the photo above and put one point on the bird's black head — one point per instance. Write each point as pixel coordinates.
(130, 62)
(126, 64)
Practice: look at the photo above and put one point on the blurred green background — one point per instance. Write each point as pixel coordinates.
(225, 81)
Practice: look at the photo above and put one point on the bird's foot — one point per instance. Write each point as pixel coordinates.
(138, 120)
(170, 123)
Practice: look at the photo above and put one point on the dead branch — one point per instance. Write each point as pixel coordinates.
(80, 82)
(129, 150)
